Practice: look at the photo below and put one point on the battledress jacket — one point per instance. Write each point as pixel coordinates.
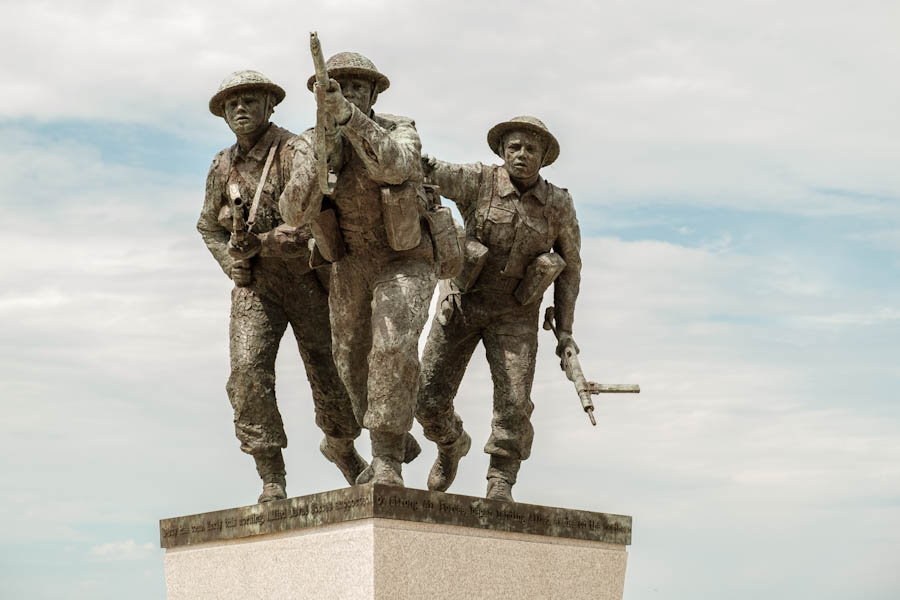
(516, 227)
(275, 260)
(385, 151)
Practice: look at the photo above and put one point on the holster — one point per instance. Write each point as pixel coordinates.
(400, 208)
(542, 271)
(448, 256)
(475, 255)
(329, 240)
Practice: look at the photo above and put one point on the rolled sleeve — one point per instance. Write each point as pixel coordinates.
(459, 183)
(214, 235)
(568, 245)
(301, 199)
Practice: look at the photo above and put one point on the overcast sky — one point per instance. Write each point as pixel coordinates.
(735, 169)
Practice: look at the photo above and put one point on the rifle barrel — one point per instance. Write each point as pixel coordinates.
(613, 388)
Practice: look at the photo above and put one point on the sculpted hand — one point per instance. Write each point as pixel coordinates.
(428, 164)
(245, 248)
(241, 274)
(449, 300)
(288, 242)
(333, 101)
(565, 341)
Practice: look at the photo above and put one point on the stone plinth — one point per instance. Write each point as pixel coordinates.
(376, 542)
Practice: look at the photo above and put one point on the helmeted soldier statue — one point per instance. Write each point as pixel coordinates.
(521, 233)
(274, 284)
(383, 275)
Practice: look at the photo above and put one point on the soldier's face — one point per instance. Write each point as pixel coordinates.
(523, 154)
(357, 91)
(245, 111)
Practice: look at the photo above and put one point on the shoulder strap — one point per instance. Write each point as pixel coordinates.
(262, 182)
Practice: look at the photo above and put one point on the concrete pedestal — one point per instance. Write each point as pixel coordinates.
(375, 542)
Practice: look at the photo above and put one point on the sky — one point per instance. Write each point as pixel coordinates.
(734, 170)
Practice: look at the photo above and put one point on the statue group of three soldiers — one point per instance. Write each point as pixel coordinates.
(356, 294)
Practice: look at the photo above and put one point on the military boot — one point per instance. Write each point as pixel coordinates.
(411, 449)
(388, 450)
(270, 467)
(501, 477)
(343, 454)
(443, 472)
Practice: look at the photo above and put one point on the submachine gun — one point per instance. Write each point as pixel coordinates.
(572, 366)
(239, 227)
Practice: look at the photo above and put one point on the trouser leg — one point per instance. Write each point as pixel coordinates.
(256, 328)
(401, 295)
(350, 304)
(511, 346)
(307, 307)
(447, 352)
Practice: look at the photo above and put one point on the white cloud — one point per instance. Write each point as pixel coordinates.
(768, 382)
(128, 550)
(782, 107)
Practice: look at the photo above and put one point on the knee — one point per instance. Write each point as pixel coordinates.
(247, 380)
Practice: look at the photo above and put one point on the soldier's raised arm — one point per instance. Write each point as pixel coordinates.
(566, 286)
(301, 199)
(390, 154)
(214, 234)
(459, 183)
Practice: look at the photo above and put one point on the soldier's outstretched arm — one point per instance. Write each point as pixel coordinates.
(460, 183)
(568, 245)
(301, 199)
(390, 157)
(214, 234)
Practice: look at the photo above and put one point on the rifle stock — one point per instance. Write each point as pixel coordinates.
(321, 145)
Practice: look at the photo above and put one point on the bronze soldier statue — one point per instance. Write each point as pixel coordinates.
(521, 234)
(370, 225)
(274, 284)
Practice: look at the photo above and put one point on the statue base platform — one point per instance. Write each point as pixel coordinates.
(379, 542)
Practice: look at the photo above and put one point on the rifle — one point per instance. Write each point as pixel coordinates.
(238, 223)
(572, 366)
(322, 117)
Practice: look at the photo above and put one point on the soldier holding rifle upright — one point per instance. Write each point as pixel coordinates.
(367, 218)
(274, 285)
(521, 235)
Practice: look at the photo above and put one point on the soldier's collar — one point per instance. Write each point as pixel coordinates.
(261, 147)
(505, 187)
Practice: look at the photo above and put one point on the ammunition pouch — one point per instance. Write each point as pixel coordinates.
(400, 209)
(448, 256)
(329, 240)
(542, 271)
(475, 255)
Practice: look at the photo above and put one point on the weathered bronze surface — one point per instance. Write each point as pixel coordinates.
(524, 235)
(392, 502)
(274, 284)
(384, 274)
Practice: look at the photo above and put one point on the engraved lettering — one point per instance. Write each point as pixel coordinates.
(451, 508)
(413, 504)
